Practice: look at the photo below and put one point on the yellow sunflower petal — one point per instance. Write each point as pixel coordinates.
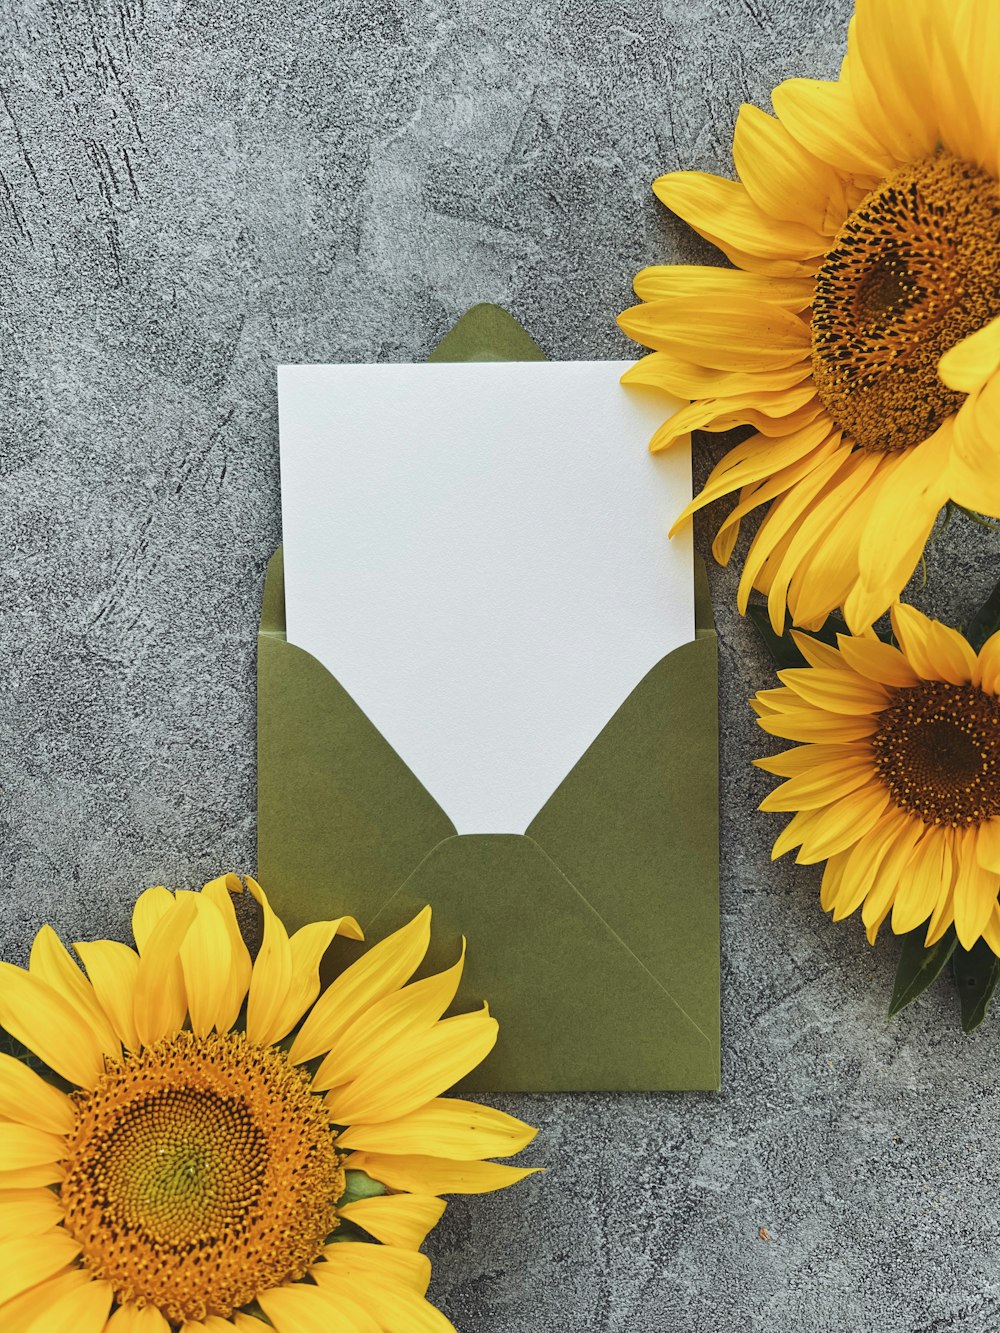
(991, 931)
(978, 35)
(723, 212)
(112, 968)
(987, 673)
(45, 1022)
(221, 892)
(404, 1220)
(51, 963)
(83, 1308)
(206, 960)
(386, 1263)
(661, 281)
(22, 1146)
(731, 334)
(28, 1260)
(960, 128)
(402, 1079)
(811, 724)
(807, 758)
(935, 650)
(816, 652)
(389, 1024)
(833, 507)
(28, 1099)
(160, 997)
(681, 379)
(864, 861)
(974, 467)
(278, 996)
(28, 1212)
(379, 971)
(975, 891)
(836, 691)
(395, 1307)
(302, 1308)
(32, 1177)
(809, 791)
(824, 119)
(308, 946)
(882, 891)
(438, 1175)
(878, 661)
(754, 460)
(842, 824)
(782, 520)
(445, 1127)
(150, 906)
(988, 845)
(783, 178)
(17, 1315)
(130, 1319)
(888, 69)
(832, 880)
(885, 552)
(775, 414)
(975, 359)
(924, 880)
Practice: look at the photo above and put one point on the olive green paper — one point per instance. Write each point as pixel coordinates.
(595, 935)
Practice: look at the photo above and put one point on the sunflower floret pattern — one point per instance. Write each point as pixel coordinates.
(859, 331)
(185, 1166)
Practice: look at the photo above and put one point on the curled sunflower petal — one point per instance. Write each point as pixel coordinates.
(400, 1080)
(419, 1173)
(379, 971)
(403, 1220)
(285, 977)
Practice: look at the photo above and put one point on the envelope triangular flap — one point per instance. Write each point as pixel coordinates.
(337, 809)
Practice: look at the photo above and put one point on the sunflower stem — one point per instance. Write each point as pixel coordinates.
(980, 520)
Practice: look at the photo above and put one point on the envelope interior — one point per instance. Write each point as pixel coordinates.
(477, 552)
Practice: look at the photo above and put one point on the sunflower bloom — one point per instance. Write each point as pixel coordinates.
(896, 778)
(220, 1144)
(858, 333)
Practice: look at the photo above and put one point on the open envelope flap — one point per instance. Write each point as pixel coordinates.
(578, 1011)
(341, 819)
(634, 827)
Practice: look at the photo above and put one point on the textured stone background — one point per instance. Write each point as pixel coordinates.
(191, 192)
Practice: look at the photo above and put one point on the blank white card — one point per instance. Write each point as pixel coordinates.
(478, 553)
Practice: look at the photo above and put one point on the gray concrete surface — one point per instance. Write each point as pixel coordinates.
(193, 191)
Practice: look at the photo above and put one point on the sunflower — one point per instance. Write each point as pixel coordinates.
(896, 780)
(858, 333)
(230, 1146)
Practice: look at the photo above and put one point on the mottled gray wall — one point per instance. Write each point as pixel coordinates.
(192, 192)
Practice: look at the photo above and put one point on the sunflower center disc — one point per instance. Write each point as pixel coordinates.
(937, 749)
(913, 270)
(201, 1171)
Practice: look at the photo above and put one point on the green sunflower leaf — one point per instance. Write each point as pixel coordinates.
(977, 971)
(782, 646)
(986, 620)
(918, 966)
(358, 1185)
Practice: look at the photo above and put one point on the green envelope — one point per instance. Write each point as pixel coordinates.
(595, 935)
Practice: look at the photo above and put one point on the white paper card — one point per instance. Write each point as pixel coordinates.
(478, 553)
